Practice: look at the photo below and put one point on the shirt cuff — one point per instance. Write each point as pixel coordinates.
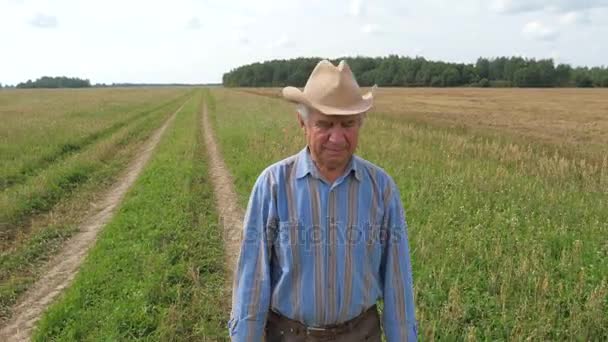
(246, 329)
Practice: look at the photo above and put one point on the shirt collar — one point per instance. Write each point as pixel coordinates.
(305, 165)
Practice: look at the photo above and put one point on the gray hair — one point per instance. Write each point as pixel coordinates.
(305, 113)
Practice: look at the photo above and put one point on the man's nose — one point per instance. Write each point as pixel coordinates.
(336, 134)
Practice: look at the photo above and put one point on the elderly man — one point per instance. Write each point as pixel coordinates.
(324, 235)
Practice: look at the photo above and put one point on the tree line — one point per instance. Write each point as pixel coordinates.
(65, 82)
(398, 71)
(56, 82)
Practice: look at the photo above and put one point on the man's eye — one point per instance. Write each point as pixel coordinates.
(349, 124)
(323, 124)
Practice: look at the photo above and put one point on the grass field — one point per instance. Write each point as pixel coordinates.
(56, 160)
(509, 228)
(40, 127)
(162, 255)
(505, 191)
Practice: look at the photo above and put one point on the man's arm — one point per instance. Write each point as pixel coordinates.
(251, 287)
(398, 317)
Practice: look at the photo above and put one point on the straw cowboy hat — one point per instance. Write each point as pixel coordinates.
(332, 91)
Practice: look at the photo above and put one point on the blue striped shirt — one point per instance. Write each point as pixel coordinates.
(323, 253)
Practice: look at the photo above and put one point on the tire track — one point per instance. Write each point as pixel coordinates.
(64, 266)
(230, 214)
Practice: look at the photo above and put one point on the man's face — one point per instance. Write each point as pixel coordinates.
(332, 139)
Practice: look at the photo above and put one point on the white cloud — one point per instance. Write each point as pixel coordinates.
(243, 22)
(573, 17)
(511, 6)
(356, 8)
(518, 6)
(281, 42)
(244, 41)
(194, 23)
(44, 21)
(370, 29)
(538, 31)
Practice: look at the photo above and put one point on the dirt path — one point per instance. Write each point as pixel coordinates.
(64, 266)
(230, 214)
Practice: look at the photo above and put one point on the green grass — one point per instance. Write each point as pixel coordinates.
(65, 188)
(39, 127)
(509, 240)
(157, 269)
(41, 192)
(247, 124)
(20, 172)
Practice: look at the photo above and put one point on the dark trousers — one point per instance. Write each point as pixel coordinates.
(365, 327)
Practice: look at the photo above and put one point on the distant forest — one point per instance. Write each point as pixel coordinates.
(398, 71)
(55, 82)
(67, 82)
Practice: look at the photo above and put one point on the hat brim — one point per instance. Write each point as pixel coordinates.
(295, 95)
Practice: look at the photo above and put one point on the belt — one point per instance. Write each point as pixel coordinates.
(286, 324)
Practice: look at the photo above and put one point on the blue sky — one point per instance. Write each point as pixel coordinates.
(197, 41)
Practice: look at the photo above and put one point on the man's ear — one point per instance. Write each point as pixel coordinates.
(300, 120)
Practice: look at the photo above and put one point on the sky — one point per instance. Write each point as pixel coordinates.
(189, 41)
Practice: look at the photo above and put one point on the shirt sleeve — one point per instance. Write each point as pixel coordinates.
(396, 272)
(251, 286)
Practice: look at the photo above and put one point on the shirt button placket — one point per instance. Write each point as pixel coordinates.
(330, 227)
